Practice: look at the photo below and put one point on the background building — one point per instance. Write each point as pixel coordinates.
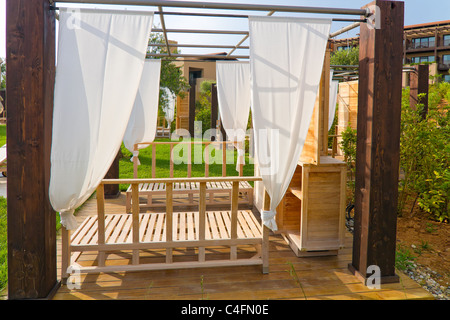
(422, 43)
(196, 71)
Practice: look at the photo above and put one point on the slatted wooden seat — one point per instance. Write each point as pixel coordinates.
(152, 228)
(150, 190)
(168, 230)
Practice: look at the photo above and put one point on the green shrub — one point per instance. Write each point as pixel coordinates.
(436, 199)
(203, 106)
(345, 57)
(203, 117)
(348, 145)
(425, 154)
(404, 259)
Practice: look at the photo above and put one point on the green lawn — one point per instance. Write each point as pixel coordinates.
(180, 170)
(2, 134)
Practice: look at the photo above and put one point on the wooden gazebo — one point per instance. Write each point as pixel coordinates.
(32, 262)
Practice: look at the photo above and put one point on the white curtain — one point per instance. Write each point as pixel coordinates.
(101, 56)
(234, 96)
(144, 117)
(334, 86)
(169, 108)
(286, 59)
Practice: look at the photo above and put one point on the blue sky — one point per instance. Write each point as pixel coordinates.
(416, 11)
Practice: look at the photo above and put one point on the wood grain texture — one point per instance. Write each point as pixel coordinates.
(419, 85)
(30, 76)
(378, 141)
(311, 215)
(113, 233)
(316, 142)
(323, 278)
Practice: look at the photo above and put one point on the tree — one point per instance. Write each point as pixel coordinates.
(203, 105)
(171, 75)
(349, 57)
(425, 154)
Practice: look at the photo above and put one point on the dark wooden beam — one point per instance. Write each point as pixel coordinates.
(192, 108)
(214, 109)
(419, 84)
(112, 191)
(30, 43)
(378, 143)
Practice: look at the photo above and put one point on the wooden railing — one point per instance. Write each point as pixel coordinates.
(334, 145)
(161, 129)
(207, 144)
(255, 234)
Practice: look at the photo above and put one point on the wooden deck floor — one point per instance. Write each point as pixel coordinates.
(322, 278)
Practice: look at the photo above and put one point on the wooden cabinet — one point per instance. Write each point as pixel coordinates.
(311, 216)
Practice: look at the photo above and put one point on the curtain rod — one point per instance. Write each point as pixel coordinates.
(344, 66)
(223, 15)
(200, 31)
(225, 6)
(204, 56)
(164, 30)
(345, 29)
(243, 16)
(177, 45)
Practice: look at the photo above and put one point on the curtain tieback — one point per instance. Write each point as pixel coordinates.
(68, 219)
(268, 219)
(136, 154)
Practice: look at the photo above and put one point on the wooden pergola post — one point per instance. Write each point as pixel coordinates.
(192, 108)
(214, 109)
(378, 142)
(112, 191)
(30, 30)
(30, 43)
(419, 84)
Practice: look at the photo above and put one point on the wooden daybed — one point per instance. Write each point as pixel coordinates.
(189, 189)
(114, 233)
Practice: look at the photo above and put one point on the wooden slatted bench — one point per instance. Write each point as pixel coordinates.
(149, 190)
(152, 230)
(169, 230)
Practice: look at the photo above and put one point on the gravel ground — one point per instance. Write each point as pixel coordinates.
(425, 277)
(421, 274)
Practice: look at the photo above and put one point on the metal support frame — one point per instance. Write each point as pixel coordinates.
(238, 32)
(163, 24)
(226, 6)
(204, 56)
(178, 45)
(345, 29)
(222, 6)
(245, 38)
